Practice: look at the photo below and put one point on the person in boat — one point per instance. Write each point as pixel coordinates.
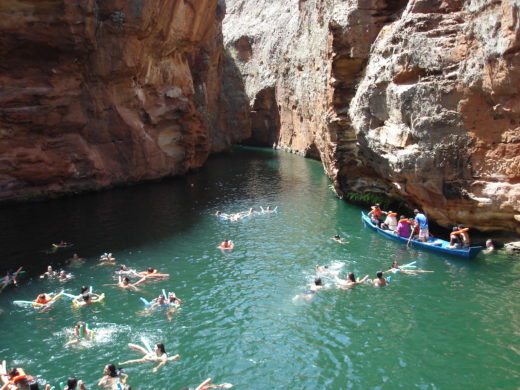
(463, 231)
(421, 219)
(73, 384)
(80, 332)
(49, 274)
(338, 239)
(351, 281)
(380, 281)
(390, 221)
(403, 227)
(375, 214)
(159, 356)
(455, 239)
(490, 247)
(113, 379)
(124, 283)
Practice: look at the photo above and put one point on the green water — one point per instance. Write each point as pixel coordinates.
(457, 328)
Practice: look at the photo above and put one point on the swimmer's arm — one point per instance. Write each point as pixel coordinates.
(364, 279)
(163, 361)
(140, 281)
(123, 378)
(203, 385)
(132, 287)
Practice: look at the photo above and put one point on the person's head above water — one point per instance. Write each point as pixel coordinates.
(395, 264)
(126, 281)
(351, 277)
(110, 370)
(337, 236)
(489, 243)
(318, 282)
(84, 289)
(160, 347)
(123, 267)
(379, 274)
(151, 270)
(72, 383)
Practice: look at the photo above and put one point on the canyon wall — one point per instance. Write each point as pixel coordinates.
(101, 92)
(413, 99)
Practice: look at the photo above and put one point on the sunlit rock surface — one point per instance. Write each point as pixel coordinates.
(417, 99)
(95, 93)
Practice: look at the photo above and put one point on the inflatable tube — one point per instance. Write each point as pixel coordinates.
(231, 246)
(145, 302)
(77, 303)
(28, 303)
(71, 296)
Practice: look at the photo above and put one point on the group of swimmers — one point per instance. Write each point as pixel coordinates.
(113, 378)
(245, 214)
(350, 282)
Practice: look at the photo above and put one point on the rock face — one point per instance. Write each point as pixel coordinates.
(416, 99)
(99, 92)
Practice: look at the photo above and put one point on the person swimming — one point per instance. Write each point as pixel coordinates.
(338, 239)
(314, 287)
(63, 276)
(159, 355)
(226, 244)
(49, 274)
(380, 281)
(124, 283)
(113, 379)
(490, 247)
(80, 332)
(351, 281)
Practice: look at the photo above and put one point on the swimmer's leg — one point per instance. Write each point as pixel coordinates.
(138, 348)
(134, 361)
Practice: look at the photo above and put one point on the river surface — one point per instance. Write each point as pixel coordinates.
(455, 328)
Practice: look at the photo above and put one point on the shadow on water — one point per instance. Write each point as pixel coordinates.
(111, 220)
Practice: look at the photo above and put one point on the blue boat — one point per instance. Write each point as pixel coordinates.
(432, 245)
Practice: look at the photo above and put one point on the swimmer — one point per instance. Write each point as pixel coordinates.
(148, 274)
(124, 283)
(124, 270)
(10, 279)
(226, 244)
(490, 247)
(396, 268)
(159, 301)
(44, 300)
(380, 281)
(63, 276)
(86, 297)
(73, 384)
(49, 274)
(113, 379)
(206, 385)
(62, 244)
(107, 258)
(314, 287)
(76, 259)
(159, 356)
(351, 281)
(338, 239)
(174, 304)
(80, 332)
(322, 269)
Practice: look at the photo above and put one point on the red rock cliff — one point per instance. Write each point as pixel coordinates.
(416, 99)
(95, 93)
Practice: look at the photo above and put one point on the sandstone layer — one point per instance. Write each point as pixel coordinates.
(414, 99)
(96, 93)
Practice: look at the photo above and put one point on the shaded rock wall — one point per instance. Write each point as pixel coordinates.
(95, 93)
(416, 99)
